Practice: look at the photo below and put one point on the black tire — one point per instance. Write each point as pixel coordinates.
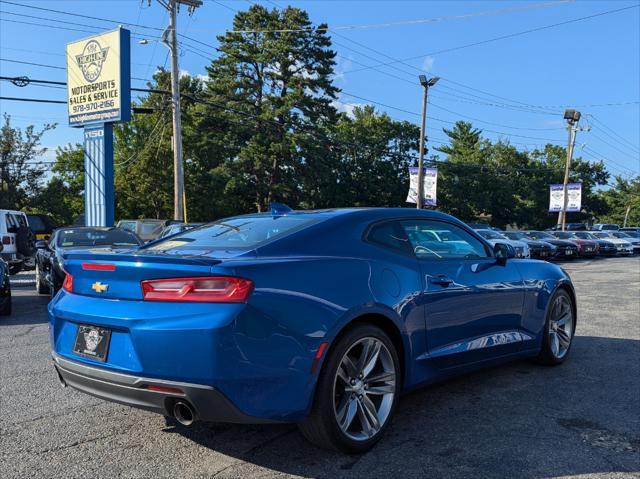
(321, 427)
(41, 286)
(5, 309)
(25, 241)
(546, 355)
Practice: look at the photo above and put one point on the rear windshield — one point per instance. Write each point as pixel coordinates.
(536, 235)
(515, 235)
(564, 235)
(147, 229)
(36, 224)
(243, 232)
(76, 238)
(491, 235)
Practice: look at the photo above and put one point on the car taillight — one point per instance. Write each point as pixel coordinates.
(67, 284)
(6, 240)
(208, 289)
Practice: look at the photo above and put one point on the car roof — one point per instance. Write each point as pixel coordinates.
(369, 212)
(92, 228)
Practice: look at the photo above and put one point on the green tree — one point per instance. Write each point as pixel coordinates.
(21, 175)
(144, 153)
(277, 91)
(623, 197)
(496, 181)
(369, 164)
(463, 178)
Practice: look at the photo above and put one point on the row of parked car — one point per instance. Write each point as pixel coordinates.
(32, 242)
(562, 245)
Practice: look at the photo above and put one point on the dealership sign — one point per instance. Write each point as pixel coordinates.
(99, 79)
(430, 182)
(556, 197)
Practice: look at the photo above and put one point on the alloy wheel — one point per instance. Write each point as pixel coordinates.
(561, 327)
(364, 389)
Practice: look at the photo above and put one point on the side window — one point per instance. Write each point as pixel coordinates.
(439, 240)
(12, 224)
(128, 226)
(391, 235)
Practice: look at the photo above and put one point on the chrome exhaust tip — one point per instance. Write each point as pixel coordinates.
(184, 413)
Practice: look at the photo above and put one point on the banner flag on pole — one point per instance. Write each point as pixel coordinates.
(430, 182)
(556, 197)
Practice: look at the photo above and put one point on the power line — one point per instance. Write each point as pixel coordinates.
(315, 135)
(614, 133)
(503, 37)
(95, 28)
(398, 23)
(82, 16)
(204, 55)
(614, 147)
(34, 100)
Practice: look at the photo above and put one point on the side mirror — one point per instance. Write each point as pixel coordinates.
(503, 251)
(41, 244)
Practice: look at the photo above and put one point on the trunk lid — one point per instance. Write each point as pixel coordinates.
(116, 274)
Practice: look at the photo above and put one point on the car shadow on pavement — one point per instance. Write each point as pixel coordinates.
(27, 308)
(518, 420)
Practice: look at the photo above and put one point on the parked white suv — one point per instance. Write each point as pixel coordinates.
(16, 238)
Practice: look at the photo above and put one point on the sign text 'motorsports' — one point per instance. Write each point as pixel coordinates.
(98, 79)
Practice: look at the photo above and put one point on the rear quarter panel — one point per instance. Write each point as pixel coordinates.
(300, 302)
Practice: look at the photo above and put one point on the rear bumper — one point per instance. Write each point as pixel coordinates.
(209, 404)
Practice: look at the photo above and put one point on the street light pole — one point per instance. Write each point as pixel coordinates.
(572, 117)
(425, 85)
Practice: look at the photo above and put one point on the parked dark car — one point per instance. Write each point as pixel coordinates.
(537, 249)
(632, 230)
(605, 248)
(570, 227)
(564, 249)
(5, 288)
(586, 248)
(49, 272)
(41, 225)
(605, 227)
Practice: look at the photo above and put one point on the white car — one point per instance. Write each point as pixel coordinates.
(16, 238)
(623, 246)
(493, 237)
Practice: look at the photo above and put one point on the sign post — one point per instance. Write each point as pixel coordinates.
(99, 94)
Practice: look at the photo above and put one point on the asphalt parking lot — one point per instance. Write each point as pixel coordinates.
(521, 420)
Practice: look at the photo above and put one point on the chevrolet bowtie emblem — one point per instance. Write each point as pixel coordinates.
(98, 287)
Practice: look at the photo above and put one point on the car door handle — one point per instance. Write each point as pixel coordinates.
(440, 280)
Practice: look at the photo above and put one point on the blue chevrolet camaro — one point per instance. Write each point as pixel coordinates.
(321, 318)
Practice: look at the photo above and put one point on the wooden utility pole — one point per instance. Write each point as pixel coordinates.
(426, 84)
(572, 117)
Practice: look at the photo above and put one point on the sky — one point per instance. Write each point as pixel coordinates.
(511, 68)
